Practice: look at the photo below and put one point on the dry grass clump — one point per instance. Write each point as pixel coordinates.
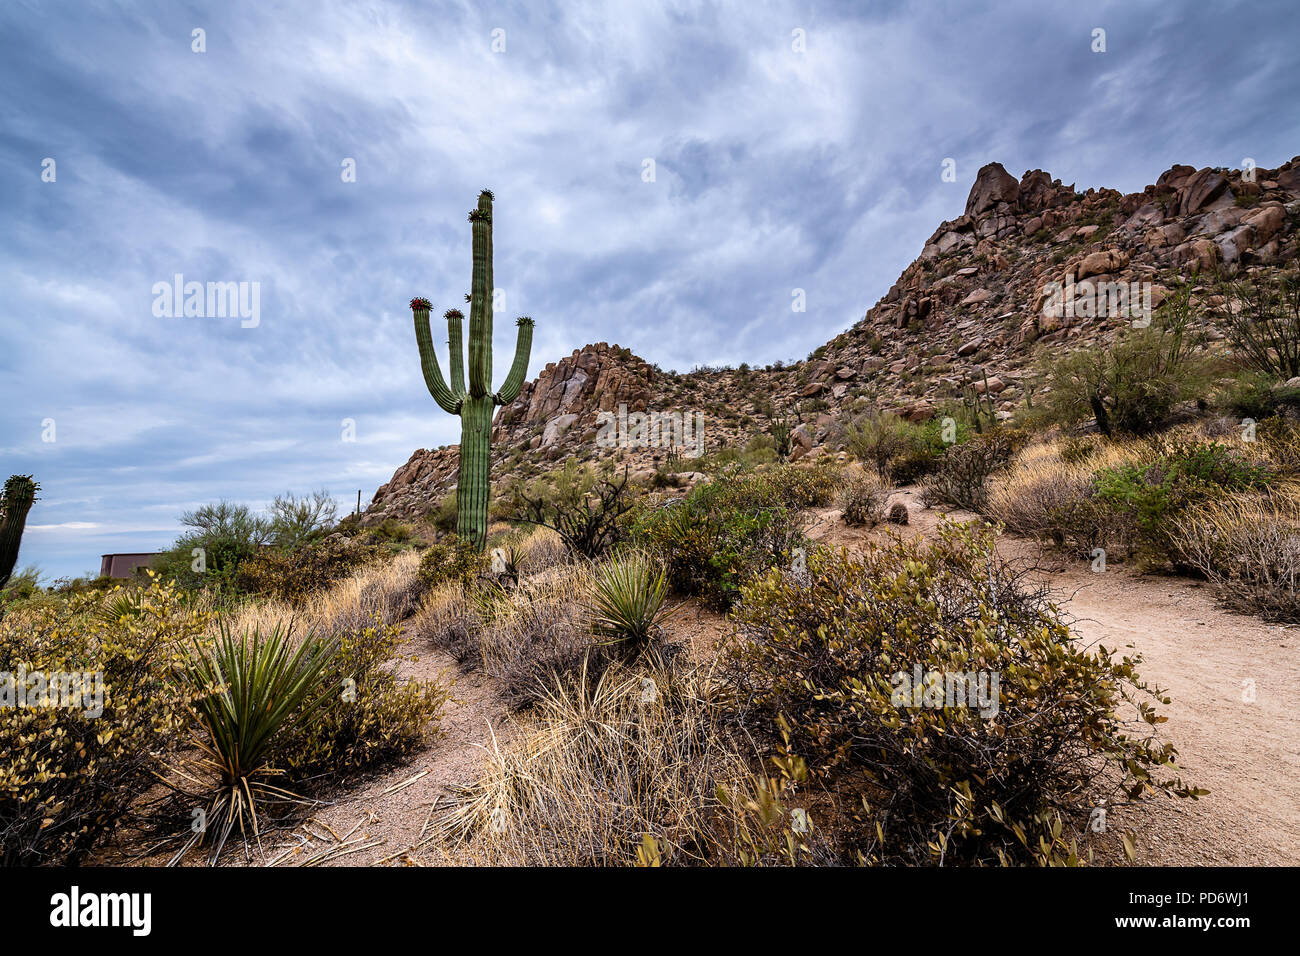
(861, 496)
(524, 636)
(1044, 496)
(633, 768)
(391, 591)
(448, 620)
(1249, 549)
(542, 549)
(538, 633)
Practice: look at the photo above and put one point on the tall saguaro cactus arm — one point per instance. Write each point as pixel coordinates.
(429, 360)
(480, 306)
(456, 349)
(519, 368)
(20, 492)
(475, 404)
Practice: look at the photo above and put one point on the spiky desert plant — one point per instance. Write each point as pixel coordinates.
(20, 492)
(249, 689)
(627, 599)
(475, 404)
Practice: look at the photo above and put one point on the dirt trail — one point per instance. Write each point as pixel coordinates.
(391, 820)
(1245, 751)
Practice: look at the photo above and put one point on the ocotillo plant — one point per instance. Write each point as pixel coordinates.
(476, 404)
(20, 492)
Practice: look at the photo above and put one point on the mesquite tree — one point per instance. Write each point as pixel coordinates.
(474, 405)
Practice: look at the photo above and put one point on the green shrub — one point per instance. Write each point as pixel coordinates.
(1147, 496)
(378, 717)
(224, 535)
(901, 451)
(443, 516)
(727, 529)
(1134, 385)
(456, 561)
(293, 576)
(297, 521)
(826, 657)
(583, 504)
(69, 779)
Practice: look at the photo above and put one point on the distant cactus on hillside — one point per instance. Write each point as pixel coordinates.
(20, 492)
(474, 405)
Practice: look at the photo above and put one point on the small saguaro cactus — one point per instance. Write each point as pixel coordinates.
(20, 492)
(474, 405)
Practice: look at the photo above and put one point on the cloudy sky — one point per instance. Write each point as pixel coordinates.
(795, 146)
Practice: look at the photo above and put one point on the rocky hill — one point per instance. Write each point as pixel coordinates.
(1031, 263)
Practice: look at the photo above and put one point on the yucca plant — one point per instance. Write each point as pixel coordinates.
(627, 600)
(249, 689)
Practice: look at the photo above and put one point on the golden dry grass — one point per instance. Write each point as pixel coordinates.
(598, 765)
(1249, 549)
(390, 590)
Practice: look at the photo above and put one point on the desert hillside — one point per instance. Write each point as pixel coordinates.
(970, 312)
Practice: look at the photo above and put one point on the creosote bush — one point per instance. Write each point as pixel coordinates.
(900, 451)
(725, 530)
(293, 575)
(941, 781)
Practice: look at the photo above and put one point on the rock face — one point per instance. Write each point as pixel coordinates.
(553, 412)
(597, 378)
(993, 185)
(975, 304)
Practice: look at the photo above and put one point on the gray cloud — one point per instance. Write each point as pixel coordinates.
(775, 170)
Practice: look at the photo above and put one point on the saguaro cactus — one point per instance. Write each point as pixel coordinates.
(476, 404)
(20, 492)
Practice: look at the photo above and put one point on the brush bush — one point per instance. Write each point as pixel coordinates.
(724, 531)
(377, 718)
(539, 636)
(861, 496)
(1248, 547)
(1133, 386)
(68, 780)
(818, 656)
(960, 475)
(901, 451)
(294, 575)
(454, 562)
(1144, 497)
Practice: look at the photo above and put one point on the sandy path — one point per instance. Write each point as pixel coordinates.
(392, 822)
(1246, 752)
